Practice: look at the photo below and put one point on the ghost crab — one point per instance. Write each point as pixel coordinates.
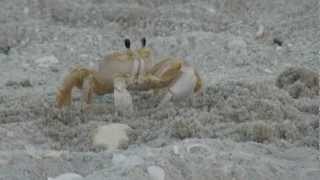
(121, 72)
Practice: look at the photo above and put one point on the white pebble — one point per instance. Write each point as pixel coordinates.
(156, 173)
(46, 61)
(267, 71)
(67, 176)
(120, 160)
(53, 154)
(112, 136)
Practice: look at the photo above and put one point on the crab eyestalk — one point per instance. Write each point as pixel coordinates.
(127, 43)
(143, 42)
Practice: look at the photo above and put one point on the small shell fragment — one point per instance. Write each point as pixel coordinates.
(198, 148)
(156, 173)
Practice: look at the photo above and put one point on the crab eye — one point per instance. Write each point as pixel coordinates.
(143, 42)
(127, 43)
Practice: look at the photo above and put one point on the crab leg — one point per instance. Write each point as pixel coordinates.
(122, 98)
(87, 92)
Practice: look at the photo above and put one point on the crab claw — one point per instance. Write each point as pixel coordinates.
(183, 86)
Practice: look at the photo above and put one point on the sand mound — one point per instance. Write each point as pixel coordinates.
(299, 82)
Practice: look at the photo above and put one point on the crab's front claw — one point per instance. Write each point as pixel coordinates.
(182, 86)
(122, 98)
